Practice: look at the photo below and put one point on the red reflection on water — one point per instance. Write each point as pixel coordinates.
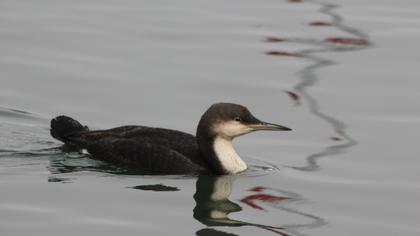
(293, 96)
(274, 40)
(283, 53)
(320, 23)
(257, 189)
(347, 41)
(335, 138)
(250, 200)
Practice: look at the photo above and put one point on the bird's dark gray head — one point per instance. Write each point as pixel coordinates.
(228, 120)
(218, 126)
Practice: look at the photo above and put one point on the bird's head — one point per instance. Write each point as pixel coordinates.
(228, 120)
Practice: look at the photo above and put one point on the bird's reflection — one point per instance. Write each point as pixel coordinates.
(213, 206)
(212, 198)
(212, 203)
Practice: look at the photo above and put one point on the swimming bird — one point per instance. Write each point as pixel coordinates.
(167, 151)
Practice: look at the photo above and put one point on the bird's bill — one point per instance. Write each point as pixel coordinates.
(269, 126)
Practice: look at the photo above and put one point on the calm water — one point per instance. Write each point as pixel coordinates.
(343, 74)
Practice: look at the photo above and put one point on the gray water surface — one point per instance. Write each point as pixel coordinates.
(343, 74)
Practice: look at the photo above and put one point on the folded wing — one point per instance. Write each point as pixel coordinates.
(142, 155)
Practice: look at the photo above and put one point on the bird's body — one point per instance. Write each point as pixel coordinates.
(139, 147)
(167, 151)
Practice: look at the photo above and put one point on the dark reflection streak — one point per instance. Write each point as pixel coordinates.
(155, 188)
(328, 9)
(212, 232)
(292, 228)
(308, 78)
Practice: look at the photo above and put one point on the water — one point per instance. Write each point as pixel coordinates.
(342, 74)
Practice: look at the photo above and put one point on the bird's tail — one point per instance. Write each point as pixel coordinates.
(63, 126)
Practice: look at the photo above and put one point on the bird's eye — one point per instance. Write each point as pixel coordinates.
(237, 119)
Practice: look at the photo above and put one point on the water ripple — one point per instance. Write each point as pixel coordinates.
(308, 76)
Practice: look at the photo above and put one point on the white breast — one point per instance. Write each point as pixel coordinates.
(227, 156)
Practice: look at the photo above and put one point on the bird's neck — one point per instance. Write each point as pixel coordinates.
(227, 156)
(221, 155)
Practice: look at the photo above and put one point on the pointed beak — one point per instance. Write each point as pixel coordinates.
(269, 126)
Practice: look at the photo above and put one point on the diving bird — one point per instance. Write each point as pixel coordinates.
(166, 151)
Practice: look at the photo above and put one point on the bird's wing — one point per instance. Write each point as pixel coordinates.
(142, 155)
(183, 143)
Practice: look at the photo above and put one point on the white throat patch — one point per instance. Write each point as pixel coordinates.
(227, 156)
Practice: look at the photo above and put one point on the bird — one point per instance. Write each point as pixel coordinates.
(167, 151)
